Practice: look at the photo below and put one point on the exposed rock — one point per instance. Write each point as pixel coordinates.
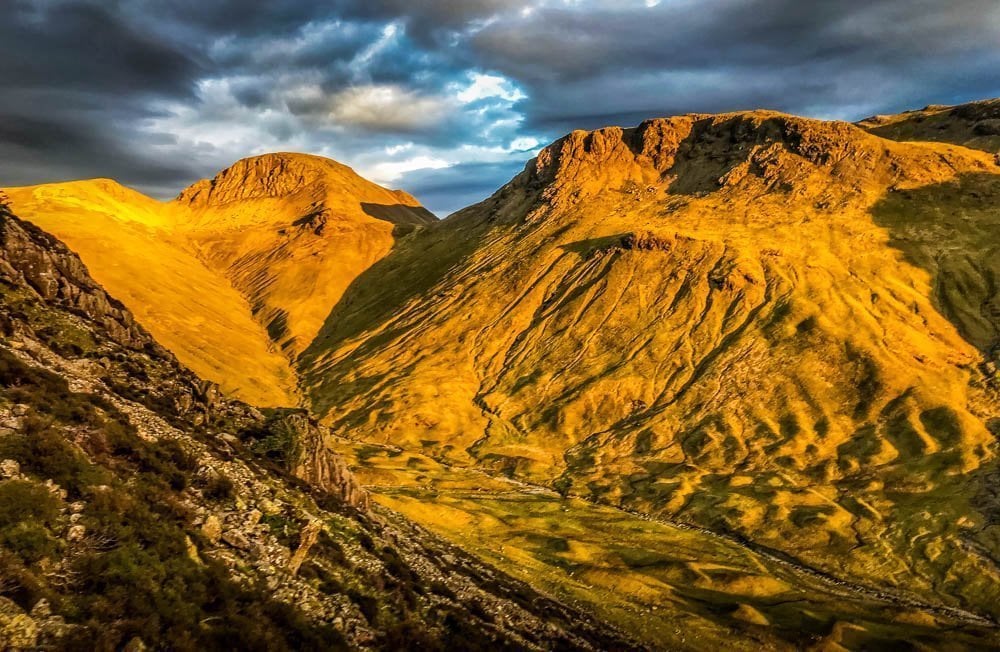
(29, 255)
(236, 539)
(18, 630)
(212, 528)
(646, 241)
(10, 469)
(136, 644)
(307, 538)
(41, 610)
(314, 461)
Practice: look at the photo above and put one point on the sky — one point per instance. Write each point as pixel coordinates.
(446, 99)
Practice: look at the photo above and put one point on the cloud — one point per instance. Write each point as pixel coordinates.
(388, 108)
(446, 98)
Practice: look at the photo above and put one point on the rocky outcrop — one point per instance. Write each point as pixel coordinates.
(312, 460)
(284, 174)
(31, 258)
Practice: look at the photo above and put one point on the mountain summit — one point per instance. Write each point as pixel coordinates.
(238, 273)
(763, 333)
(768, 325)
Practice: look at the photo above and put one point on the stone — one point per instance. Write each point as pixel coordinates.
(18, 630)
(232, 440)
(192, 550)
(748, 614)
(76, 533)
(310, 532)
(41, 610)
(10, 469)
(212, 528)
(235, 539)
(136, 644)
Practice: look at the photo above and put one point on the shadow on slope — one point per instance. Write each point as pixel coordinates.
(420, 258)
(399, 214)
(952, 230)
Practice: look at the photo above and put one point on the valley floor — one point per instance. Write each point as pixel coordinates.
(671, 585)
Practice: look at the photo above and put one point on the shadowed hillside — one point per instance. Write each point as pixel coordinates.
(975, 125)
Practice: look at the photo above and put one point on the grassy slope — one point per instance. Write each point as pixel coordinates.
(975, 125)
(771, 360)
(130, 247)
(238, 273)
(675, 587)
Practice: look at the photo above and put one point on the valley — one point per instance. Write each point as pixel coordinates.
(718, 380)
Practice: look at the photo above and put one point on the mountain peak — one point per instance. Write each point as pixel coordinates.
(657, 146)
(278, 174)
(755, 151)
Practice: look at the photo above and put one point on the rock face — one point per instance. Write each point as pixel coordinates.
(31, 258)
(758, 323)
(315, 462)
(139, 508)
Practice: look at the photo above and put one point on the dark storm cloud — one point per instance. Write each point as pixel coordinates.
(816, 57)
(159, 92)
(75, 78)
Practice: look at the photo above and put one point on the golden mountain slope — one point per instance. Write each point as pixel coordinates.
(229, 274)
(767, 325)
(129, 244)
(291, 232)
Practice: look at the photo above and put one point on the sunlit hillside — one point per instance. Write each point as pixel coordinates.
(769, 326)
(236, 269)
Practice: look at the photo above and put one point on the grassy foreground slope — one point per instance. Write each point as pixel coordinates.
(770, 326)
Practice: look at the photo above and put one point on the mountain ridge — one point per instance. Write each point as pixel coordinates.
(753, 322)
(225, 280)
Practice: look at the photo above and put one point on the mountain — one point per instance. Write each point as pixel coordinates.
(780, 329)
(291, 232)
(718, 380)
(237, 272)
(140, 507)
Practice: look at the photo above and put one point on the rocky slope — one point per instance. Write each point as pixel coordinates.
(238, 273)
(774, 327)
(140, 507)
